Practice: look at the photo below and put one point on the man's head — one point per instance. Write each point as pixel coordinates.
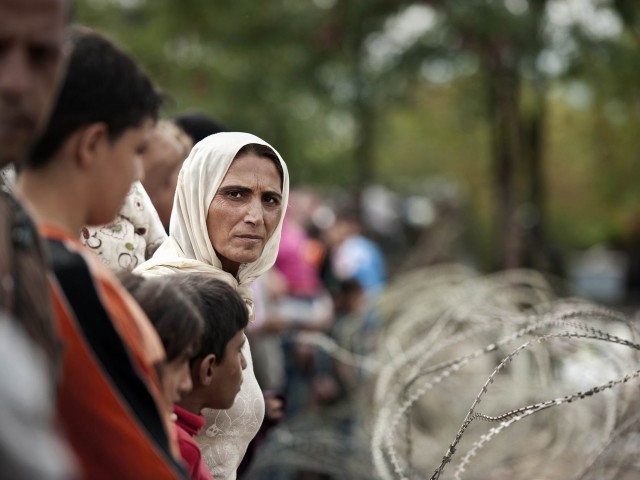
(169, 146)
(216, 370)
(31, 65)
(101, 122)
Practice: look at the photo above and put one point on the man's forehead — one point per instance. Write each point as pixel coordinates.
(33, 17)
(26, 5)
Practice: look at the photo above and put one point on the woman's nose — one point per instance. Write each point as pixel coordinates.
(254, 213)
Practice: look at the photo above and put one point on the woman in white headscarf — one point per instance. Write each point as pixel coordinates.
(226, 221)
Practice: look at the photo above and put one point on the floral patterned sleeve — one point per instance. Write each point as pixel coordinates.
(132, 237)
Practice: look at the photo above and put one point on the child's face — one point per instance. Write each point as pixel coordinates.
(120, 165)
(176, 379)
(228, 374)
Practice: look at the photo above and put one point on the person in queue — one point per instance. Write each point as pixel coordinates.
(178, 323)
(32, 63)
(216, 367)
(109, 402)
(226, 222)
(169, 146)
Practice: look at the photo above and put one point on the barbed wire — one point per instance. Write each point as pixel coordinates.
(409, 376)
(450, 340)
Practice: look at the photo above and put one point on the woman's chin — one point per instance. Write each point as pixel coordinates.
(248, 257)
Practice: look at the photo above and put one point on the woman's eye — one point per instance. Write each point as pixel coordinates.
(234, 194)
(272, 201)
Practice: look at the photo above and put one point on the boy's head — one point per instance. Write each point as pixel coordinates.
(101, 122)
(216, 369)
(179, 326)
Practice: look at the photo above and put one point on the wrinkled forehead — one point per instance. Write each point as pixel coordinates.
(211, 158)
(273, 161)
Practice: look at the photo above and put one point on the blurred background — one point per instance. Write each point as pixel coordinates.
(518, 118)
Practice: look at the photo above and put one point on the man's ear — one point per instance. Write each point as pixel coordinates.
(206, 369)
(92, 139)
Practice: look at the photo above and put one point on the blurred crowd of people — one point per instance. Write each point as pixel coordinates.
(156, 274)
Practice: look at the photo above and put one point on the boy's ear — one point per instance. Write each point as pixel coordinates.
(90, 142)
(206, 369)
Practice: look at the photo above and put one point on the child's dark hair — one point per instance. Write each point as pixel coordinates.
(102, 84)
(174, 316)
(222, 308)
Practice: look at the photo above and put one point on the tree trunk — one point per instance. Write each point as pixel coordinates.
(534, 174)
(363, 149)
(504, 111)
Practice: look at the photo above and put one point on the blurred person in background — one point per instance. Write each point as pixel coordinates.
(295, 300)
(110, 402)
(355, 272)
(198, 125)
(306, 303)
(353, 255)
(32, 63)
(168, 148)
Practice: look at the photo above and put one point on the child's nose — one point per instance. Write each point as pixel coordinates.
(243, 361)
(139, 168)
(185, 385)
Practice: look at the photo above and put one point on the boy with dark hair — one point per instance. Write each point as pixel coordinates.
(110, 401)
(178, 323)
(216, 370)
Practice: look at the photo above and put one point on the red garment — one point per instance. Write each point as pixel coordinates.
(189, 425)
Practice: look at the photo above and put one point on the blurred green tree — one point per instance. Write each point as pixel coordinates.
(393, 91)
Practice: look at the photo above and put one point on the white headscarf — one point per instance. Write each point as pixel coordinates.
(188, 248)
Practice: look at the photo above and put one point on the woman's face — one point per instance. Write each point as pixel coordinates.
(245, 211)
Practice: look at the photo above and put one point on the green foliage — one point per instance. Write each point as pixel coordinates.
(302, 75)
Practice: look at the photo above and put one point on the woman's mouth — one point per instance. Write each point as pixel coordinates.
(251, 238)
